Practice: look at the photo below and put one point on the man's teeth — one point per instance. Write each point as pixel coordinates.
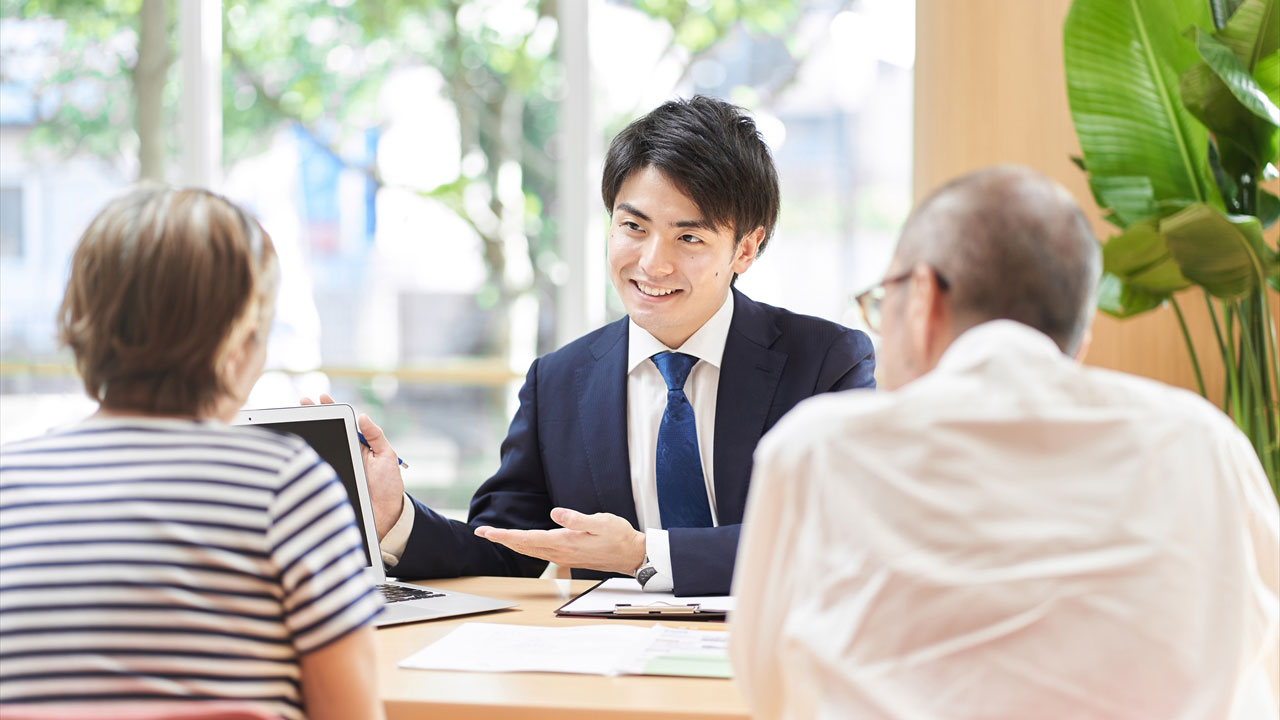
(650, 290)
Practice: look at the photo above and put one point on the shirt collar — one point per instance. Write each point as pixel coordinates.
(706, 344)
(997, 337)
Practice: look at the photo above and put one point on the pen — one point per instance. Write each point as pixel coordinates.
(365, 443)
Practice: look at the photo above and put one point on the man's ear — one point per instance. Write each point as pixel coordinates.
(928, 316)
(745, 253)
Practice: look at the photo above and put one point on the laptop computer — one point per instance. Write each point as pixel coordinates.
(331, 431)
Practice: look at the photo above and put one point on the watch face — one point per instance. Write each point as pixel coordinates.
(646, 572)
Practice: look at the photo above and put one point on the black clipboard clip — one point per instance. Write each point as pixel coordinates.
(629, 609)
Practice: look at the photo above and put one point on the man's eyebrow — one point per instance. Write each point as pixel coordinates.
(632, 209)
(699, 224)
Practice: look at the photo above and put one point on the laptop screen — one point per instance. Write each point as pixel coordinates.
(329, 439)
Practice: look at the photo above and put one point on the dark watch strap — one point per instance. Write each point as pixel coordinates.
(646, 572)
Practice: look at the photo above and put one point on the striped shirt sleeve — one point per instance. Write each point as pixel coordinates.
(317, 552)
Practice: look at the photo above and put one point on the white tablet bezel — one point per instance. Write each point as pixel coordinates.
(331, 411)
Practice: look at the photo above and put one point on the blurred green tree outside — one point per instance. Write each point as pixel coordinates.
(320, 66)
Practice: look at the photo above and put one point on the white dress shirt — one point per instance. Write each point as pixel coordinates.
(646, 402)
(1012, 535)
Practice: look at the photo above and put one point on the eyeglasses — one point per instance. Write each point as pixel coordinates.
(871, 300)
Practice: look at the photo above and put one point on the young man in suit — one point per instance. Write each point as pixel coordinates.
(631, 450)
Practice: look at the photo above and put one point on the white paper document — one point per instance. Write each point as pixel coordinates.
(604, 599)
(591, 650)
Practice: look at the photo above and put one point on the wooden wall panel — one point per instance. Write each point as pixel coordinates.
(990, 88)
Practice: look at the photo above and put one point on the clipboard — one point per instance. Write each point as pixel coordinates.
(623, 598)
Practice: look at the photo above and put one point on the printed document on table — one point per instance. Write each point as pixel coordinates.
(685, 653)
(591, 650)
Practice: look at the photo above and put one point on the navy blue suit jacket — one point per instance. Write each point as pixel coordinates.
(567, 445)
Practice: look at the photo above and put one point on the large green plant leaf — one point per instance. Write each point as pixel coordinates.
(1123, 61)
(1235, 76)
(1140, 257)
(1139, 272)
(1253, 32)
(1224, 254)
(1120, 300)
(1130, 199)
(1239, 131)
(1267, 75)
(1242, 112)
(1268, 208)
(1223, 9)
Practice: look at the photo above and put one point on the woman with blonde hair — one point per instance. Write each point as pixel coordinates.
(152, 553)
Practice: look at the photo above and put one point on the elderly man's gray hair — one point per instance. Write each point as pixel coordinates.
(1012, 244)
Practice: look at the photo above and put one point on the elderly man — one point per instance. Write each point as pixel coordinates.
(1005, 533)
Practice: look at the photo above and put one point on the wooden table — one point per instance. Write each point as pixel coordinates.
(441, 695)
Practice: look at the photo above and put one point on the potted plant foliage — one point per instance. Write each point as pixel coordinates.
(1175, 103)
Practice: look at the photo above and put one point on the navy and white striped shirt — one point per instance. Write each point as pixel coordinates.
(166, 559)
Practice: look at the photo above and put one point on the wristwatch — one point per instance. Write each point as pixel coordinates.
(646, 572)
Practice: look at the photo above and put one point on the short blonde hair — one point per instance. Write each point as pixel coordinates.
(162, 283)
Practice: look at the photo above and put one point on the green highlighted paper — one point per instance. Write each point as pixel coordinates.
(705, 666)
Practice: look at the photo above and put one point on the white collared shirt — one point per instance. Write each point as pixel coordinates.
(1012, 535)
(646, 402)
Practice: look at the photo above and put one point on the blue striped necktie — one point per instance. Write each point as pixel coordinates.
(682, 490)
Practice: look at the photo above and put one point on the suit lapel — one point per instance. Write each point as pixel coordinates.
(601, 386)
(748, 379)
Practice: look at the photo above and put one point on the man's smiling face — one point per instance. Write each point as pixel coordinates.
(670, 266)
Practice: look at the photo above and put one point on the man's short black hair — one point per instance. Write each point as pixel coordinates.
(712, 152)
